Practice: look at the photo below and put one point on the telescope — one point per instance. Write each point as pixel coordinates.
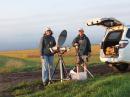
(60, 50)
(61, 39)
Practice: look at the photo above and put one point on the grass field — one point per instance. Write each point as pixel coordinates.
(110, 85)
(101, 86)
(29, 60)
(9, 64)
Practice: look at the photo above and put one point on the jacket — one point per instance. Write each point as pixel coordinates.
(84, 45)
(46, 43)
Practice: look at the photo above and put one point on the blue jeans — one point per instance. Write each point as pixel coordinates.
(47, 62)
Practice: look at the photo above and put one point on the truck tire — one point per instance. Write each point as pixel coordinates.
(122, 67)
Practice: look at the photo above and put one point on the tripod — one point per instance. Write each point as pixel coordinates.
(83, 63)
(63, 71)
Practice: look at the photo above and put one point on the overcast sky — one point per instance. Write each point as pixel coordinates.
(22, 21)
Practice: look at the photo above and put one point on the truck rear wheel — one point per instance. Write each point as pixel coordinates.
(122, 67)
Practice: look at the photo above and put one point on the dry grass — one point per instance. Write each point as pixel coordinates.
(12, 65)
(70, 56)
(95, 50)
(21, 53)
(34, 53)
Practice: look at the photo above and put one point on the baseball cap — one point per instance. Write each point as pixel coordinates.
(80, 30)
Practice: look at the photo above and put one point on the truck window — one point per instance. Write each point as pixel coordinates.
(115, 35)
(128, 33)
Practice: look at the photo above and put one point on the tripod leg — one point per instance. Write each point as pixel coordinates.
(77, 68)
(61, 70)
(88, 72)
(64, 69)
(55, 69)
(50, 68)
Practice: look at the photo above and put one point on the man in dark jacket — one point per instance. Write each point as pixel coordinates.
(47, 42)
(83, 49)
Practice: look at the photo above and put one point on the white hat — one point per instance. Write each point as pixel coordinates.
(47, 28)
(81, 29)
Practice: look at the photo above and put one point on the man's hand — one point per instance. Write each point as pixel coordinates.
(76, 44)
(89, 54)
(42, 57)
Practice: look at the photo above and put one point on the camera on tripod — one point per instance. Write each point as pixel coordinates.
(60, 50)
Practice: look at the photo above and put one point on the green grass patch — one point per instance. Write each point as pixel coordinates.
(106, 86)
(26, 63)
(23, 88)
(8, 65)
